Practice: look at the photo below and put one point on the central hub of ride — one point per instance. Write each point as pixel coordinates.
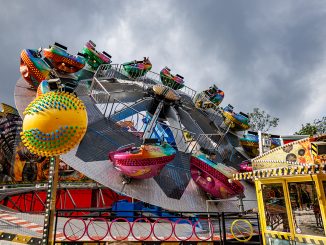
(166, 92)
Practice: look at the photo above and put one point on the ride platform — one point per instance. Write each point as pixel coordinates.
(173, 188)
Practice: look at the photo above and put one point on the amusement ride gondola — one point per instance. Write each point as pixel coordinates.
(145, 137)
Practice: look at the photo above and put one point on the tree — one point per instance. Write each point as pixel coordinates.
(321, 125)
(317, 127)
(259, 120)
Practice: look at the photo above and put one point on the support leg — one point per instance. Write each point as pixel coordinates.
(48, 231)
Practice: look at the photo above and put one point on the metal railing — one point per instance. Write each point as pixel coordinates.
(100, 95)
(137, 124)
(107, 71)
(204, 98)
(206, 142)
(224, 148)
(155, 77)
(103, 225)
(213, 112)
(136, 121)
(32, 201)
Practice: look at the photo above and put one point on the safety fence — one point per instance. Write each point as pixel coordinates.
(110, 226)
(116, 71)
(136, 122)
(155, 77)
(202, 101)
(109, 71)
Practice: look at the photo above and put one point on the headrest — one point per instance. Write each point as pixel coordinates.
(106, 54)
(167, 68)
(244, 114)
(54, 84)
(93, 44)
(151, 141)
(275, 136)
(60, 46)
(48, 62)
(80, 54)
(253, 132)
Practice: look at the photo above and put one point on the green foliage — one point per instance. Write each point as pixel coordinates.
(317, 127)
(262, 121)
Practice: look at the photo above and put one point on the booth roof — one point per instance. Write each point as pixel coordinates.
(295, 169)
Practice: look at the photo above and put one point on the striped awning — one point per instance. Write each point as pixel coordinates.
(282, 171)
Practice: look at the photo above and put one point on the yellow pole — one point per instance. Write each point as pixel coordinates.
(321, 197)
(262, 217)
(48, 230)
(288, 209)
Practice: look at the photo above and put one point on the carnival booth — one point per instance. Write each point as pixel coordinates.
(291, 185)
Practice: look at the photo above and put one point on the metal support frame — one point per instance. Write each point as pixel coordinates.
(39, 198)
(151, 125)
(217, 231)
(240, 200)
(108, 71)
(147, 128)
(66, 197)
(13, 203)
(48, 234)
(71, 198)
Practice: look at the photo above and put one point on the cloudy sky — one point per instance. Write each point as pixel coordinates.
(267, 54)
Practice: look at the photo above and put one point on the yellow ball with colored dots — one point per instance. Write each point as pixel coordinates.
(54, 123)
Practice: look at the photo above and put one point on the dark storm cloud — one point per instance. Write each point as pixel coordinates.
(270, 51)
(265, 54)
(31, 24)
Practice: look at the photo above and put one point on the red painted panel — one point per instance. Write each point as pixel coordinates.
(66, 199)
